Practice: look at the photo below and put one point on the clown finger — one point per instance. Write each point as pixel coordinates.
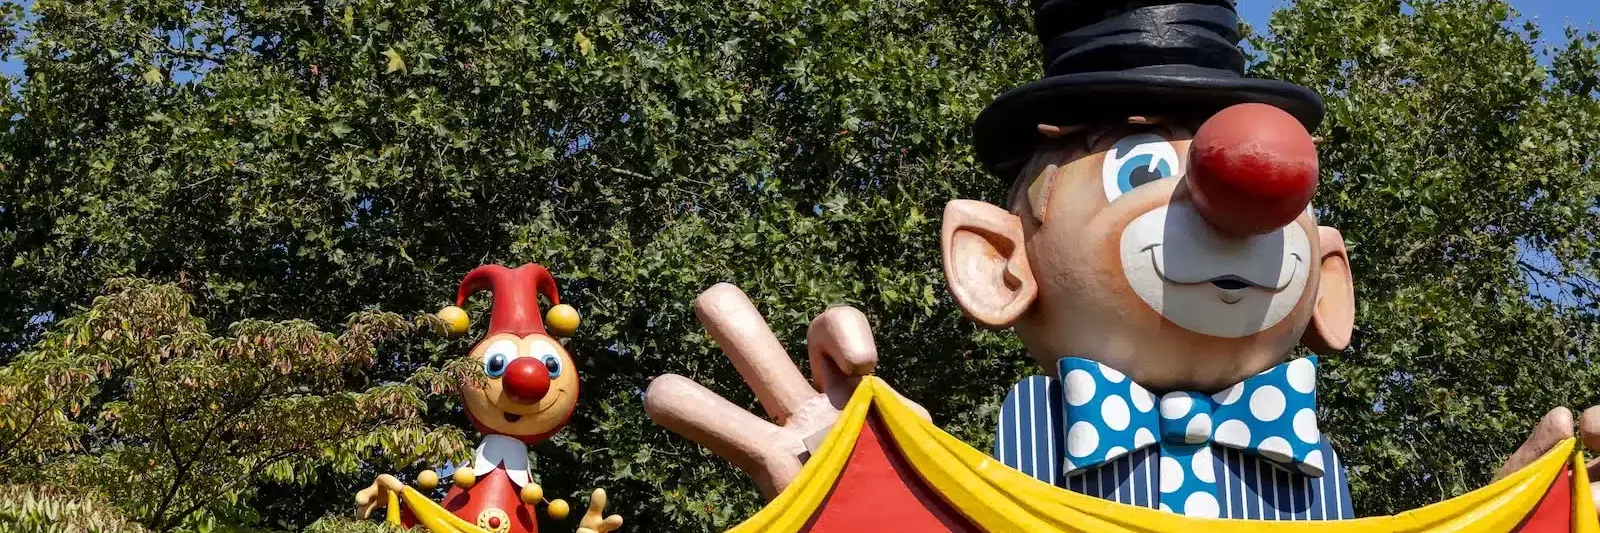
(841, 349)
(745, 338)
(1555, 427)
(689, 409)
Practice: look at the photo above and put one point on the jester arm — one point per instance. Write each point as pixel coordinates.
(1555, 427)
(377, 495)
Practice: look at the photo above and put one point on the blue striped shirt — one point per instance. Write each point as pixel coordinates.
(1030, 438)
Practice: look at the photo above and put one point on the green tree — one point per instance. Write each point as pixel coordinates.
(30, 509)
(178, 426)
(312, 159)
(1460, 160)
(305, 160)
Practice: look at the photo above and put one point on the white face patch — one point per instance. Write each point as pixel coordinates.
(1210, 284)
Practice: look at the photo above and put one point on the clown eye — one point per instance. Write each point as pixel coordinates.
(1136, 160)
(497, 357)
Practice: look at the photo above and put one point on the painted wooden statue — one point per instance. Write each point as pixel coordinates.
(1158, 255)
(527, 393)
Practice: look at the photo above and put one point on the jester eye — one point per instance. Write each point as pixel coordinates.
(495, 366)
(552, 364)
(1136, 160)
(497, 357)
(547, 355)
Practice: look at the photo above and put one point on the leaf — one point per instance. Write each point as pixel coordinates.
(153, 76)
(339, 129)
(395, 63)
(584, 46)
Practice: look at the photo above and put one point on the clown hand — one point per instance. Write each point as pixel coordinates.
(1552, 430)
(592, 523)
(841, 352)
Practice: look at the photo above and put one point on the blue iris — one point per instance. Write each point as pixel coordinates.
(552, 364)
(1136, 171)
(495, 366)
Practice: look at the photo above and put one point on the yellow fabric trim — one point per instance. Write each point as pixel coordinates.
(1583, 511)
(998, 498)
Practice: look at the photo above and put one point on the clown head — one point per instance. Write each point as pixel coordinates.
(1180, 249)
(529, 384)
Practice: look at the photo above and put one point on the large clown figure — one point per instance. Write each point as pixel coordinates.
(1160, 258)
(524, 391)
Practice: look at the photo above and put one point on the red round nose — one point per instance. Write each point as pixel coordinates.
(526, 380)
(1252, 169)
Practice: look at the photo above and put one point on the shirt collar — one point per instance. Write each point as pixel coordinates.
(500, 451)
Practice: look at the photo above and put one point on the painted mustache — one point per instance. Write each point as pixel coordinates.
(1185, 250)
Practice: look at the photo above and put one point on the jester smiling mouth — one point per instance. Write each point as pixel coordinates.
(546, 406)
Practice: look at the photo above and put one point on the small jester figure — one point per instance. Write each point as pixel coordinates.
(526, 394)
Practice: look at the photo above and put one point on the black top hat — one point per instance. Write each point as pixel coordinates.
(1105, 60)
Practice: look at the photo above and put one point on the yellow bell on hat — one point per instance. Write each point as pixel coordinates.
(455, 321)
(562, 320)
(558, 509)
(428, 480)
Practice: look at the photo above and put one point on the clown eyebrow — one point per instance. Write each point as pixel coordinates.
(1034, 187)
(1053, 131)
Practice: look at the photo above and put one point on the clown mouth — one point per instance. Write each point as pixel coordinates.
(1210, 283)
(1230, 283)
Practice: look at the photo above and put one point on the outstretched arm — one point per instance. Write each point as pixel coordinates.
(841, 351)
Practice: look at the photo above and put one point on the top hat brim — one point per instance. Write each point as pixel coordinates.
(1006, 132)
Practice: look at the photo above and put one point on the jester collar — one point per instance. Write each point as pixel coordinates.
(500, 451)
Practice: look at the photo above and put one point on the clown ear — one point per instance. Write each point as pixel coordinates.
(1333, 319)
(986, 263)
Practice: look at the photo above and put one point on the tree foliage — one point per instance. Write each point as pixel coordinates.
(1460, 161)
(307, 160)
(32, 509)
(133, 399)
(291, 163)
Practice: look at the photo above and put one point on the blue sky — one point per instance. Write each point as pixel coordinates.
(1552, 15)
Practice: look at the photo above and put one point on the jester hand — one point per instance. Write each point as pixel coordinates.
(592, 523)
(1556, 426)
(841, 351)
(377, 495)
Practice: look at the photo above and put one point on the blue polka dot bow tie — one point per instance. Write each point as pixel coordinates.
(1271, 415)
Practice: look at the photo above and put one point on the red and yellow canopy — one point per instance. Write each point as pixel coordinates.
(883, 468)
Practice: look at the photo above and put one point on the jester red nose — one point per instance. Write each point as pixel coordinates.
(526, 380)
(1252, 169)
